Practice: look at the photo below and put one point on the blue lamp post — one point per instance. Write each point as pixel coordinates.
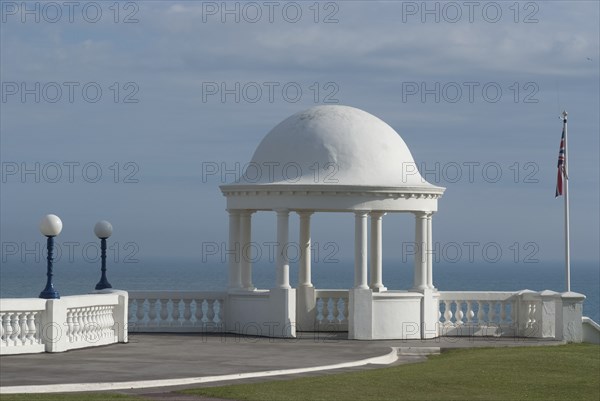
(50, 226)
(103, 230)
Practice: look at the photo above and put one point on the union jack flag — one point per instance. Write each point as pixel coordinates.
(562, 174)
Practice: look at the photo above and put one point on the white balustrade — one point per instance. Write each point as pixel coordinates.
(20, 331)
(465, 313)
(30, 325)
(332, 310)
(178, 311)
(92, 325)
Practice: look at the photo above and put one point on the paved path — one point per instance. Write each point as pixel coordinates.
(161, 360)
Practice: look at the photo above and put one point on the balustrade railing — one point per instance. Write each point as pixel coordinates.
(464, 313)
(91, 321)
(332, 310)
(30, 325)
(176, 311)
(20, 325)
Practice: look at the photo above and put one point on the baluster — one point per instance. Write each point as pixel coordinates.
(319, 307)
(470, 314)
(70, 326)
(512, 313)
(2, 328)
(130, 311)
(325, 310)
(447, 312)
(8, 329)
(345, 310)
(199, 312)
(109, 328)
(83, 324)
(340, 310)
(111, 320)
(75, 331)
(92, 324)
(503, 306)
(221, 306)
(491, 313)
(459, 313)
(175, 312)
(23, 328)
(480, 313)
(100, 321)
(78, 317)
(187, 312)
(334, 310)
(32, 327)
(164, 311)
(152, 312)
(16, 333)
(210, 311)
(86, 323)
(531, 319)
(139, 312)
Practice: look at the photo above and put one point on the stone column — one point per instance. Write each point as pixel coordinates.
(420, 273)
(246, 249)
(306, 306)
(376, 252)
(360, 250)
(283, 265)
(304, 271)
(233, 251)
(430, 252)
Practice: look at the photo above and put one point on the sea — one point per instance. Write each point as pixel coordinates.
(26, 280)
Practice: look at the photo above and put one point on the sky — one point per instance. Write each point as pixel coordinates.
(135, 112)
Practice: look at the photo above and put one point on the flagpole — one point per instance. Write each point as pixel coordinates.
(566, 192)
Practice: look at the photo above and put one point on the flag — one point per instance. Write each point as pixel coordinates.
(561, 175)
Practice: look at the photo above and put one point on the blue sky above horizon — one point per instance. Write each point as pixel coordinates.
(544, 58)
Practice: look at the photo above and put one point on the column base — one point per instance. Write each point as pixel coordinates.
(283, 287)
(306, 308)
(379, 289)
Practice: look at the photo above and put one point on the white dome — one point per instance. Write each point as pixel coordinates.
(333, 145)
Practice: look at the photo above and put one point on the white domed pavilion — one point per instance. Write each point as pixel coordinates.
(333, 159)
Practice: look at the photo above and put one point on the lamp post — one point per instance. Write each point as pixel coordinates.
(50, 226)
(103, 230)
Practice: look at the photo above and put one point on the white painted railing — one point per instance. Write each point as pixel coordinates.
(21, 324)
(91, 320)
(176, 311)
(463, 313)
(332, 310)
(30, 325)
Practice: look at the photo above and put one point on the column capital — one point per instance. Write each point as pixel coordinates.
(305, 213)
(282, 211)
(246, 212)
(422, 214)
(233, 211)
(375, 214)
(361, 212)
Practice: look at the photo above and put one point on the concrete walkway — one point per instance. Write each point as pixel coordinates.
(163, 361)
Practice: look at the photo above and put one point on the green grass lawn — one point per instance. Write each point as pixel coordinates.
(568, 372)
(68, 397)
